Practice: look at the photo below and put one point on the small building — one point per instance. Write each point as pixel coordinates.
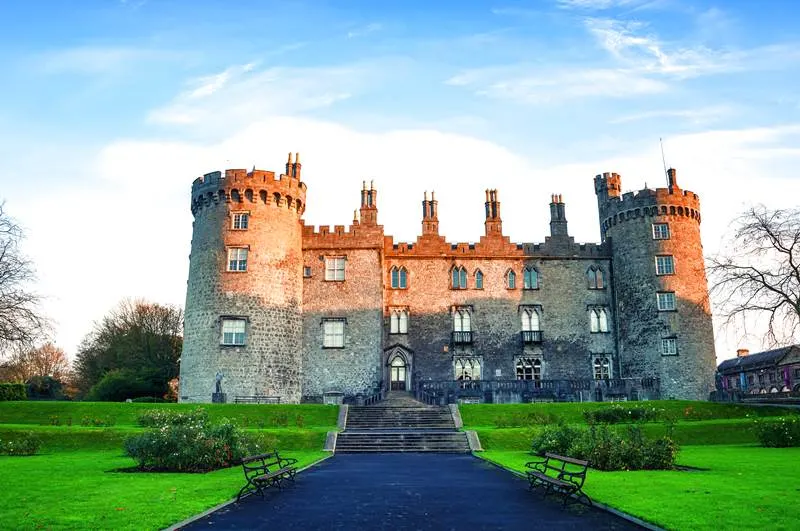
(774, 371)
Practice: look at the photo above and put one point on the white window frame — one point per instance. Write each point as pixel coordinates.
(661, 231)
(233, 332)
(530, 278)
(598, 320)
(398, 321)
(237, 259)
(528, 364)
(462, 320)
(531, 320)
(334, 268)
(237, 219)
(666, 301)
(602, 367)
(669, 346)
(661, 265)
(596, 277)
(465, 368)
(333, 333)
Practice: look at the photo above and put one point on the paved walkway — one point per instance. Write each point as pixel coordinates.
(407, 491)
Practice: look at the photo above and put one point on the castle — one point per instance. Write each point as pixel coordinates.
(275, 308)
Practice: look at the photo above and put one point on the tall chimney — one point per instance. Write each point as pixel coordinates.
(742, 352)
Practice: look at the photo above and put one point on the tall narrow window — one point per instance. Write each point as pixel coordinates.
(598, 320)
(462, 321)
(237, 259)
(669, 346)
(241, 220)
(399, 277)
(333, 333)
(596, 278)
(334, 268)
(665, 265)
(478, 279)
(602, 368)
(660, 231)
(233, 331)
(398, 321)
(459, 280)
(530, 320)
(530, 278)
(511, 280)
(467, 369)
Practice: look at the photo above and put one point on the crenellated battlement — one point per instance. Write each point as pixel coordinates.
(492, 248)
(353, 237)
(242, 186)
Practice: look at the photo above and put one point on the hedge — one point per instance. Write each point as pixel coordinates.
(13, 391)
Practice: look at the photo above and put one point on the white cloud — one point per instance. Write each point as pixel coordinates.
(99, 59)
(598, 5)
(698, 116)
(366, 30)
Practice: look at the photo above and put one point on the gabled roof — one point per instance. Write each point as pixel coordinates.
(768, 358)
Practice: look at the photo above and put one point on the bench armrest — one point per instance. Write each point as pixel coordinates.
(537, 465)
(286, 461)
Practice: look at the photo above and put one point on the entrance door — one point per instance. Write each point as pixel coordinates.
(398, 374)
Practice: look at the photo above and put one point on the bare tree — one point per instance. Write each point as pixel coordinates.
(20, 319)
(758, 275)
(46, 360)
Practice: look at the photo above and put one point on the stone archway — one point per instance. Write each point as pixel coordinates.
(398, 369)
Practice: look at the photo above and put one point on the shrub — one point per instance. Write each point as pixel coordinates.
(616, 414)
(781, 433)
(606, 449)
(189, 443)
(155, 418)
(86, 420)
(45, 388)
(120, 384)
(28, 444)
(12, 391)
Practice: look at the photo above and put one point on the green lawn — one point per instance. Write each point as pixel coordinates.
(746, 487)
(81, 490)
(75, 484)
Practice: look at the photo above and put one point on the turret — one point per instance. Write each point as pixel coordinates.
(664, 318)
(493, 224)
(430, 215)
(369, 204)
(245, 292)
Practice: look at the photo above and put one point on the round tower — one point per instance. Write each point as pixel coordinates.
(243, 322)
(663, 312)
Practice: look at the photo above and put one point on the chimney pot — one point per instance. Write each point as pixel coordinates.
(742, 352)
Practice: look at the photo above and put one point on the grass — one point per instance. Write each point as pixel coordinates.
(83, 490)
(744, 486)
(511, 415)
(126, 413)
(75, 482)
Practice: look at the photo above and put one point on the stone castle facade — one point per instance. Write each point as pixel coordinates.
(276, 308)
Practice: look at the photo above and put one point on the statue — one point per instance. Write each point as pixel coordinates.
(219, 382)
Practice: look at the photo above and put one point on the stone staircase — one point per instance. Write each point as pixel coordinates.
(400, 424)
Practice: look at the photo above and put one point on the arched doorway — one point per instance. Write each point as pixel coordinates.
(398, 373)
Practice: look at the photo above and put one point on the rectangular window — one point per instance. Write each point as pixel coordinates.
(660, 231)
(666, 301)
(665, 265)
(333, 330)
(233, 331)
(237, 259)
(240, 220)
(334, 268)
(306, 271)
(601, 367)
(669, 346)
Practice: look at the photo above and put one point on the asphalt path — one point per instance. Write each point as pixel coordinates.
(407, 491)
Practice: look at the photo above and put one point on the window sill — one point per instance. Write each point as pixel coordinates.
(332, 348)
(665, 274)
(226, 346)
(332, 280)
(669, 355)
(235, 271)
(530, 289)
(398, 333)
(399, 289)
(600, 332)
(673, 310)
(237, 230)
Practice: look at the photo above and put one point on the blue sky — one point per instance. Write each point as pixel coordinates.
(112, 107)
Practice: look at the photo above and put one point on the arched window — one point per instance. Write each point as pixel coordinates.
(459, 278)
(596, 278)
(398, 322)
(462, 321)
(530, 320)
(478, 279)
(602, 368)
(530, 278)
(467, 369)
(511, 280)
(399, 278)
(598, 320)
(529, 369)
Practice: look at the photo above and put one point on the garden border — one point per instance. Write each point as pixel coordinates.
(629, 517)
(191, 519)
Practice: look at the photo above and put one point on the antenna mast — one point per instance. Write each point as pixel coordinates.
(663, 159)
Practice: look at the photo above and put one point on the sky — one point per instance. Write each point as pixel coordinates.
(109, 109)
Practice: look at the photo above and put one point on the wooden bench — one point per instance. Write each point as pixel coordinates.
(257, 399)
(266, 470)
(559, 474)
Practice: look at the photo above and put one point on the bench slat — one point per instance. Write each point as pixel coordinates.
(570, 460)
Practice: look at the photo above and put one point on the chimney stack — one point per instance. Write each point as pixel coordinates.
(742, 352)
